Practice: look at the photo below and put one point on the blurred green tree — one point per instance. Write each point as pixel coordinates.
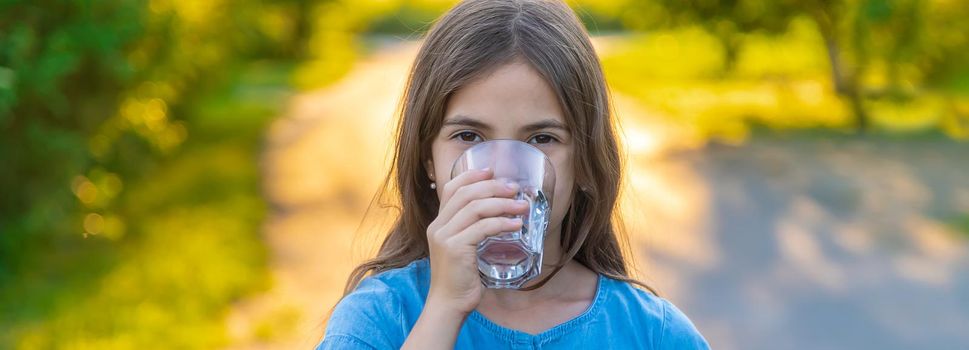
(914, 43)
(90, 90)
(110, 145)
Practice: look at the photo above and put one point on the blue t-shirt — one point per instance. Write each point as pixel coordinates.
(382, 310)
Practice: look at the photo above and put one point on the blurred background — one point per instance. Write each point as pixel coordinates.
(193, 174)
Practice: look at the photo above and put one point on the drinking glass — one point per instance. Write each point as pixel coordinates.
(511, 259)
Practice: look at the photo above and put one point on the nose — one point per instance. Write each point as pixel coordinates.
(507, 160)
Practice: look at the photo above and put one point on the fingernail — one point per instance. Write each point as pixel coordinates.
(521, 202)
(512, 185)
(515, 221)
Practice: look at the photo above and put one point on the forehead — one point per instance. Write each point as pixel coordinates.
(509, 95)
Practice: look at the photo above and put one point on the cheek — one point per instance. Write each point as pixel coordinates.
(564, 184)
(443, 157)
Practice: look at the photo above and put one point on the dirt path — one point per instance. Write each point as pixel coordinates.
(807, 243)
(813, 243)
(323, 161)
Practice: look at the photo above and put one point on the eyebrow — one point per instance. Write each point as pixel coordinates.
(462, 120)
(475, 123)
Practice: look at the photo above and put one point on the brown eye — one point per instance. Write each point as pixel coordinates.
(541, 139)
(468, 136)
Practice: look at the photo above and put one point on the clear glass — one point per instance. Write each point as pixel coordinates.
(511, 259)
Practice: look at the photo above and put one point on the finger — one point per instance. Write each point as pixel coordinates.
(474, 191)
(483, 208)
(484, 228)
(462, 180)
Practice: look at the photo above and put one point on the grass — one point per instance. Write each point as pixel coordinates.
(780, 83)
(191, 246)
(961, 225)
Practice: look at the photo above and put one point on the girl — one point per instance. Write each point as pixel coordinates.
(504, 69)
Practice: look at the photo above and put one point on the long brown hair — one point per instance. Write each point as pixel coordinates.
(472, 38)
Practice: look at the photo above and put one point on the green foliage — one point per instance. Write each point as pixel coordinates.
(879, 52)
(961, 224)
(778, 82)
(190, 247)
(48, 108)
(892, 63)
(407, 19)
(683, 82)
(90, 90)
(128, 143)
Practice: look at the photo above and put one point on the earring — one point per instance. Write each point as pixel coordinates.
(433, 186)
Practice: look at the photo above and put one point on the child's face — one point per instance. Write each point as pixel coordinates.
(502, 105)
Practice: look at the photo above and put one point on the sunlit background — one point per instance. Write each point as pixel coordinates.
(194, 174)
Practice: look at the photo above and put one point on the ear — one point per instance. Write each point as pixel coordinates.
(429, 168)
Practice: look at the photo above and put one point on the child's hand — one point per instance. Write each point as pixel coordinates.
(473, 207)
